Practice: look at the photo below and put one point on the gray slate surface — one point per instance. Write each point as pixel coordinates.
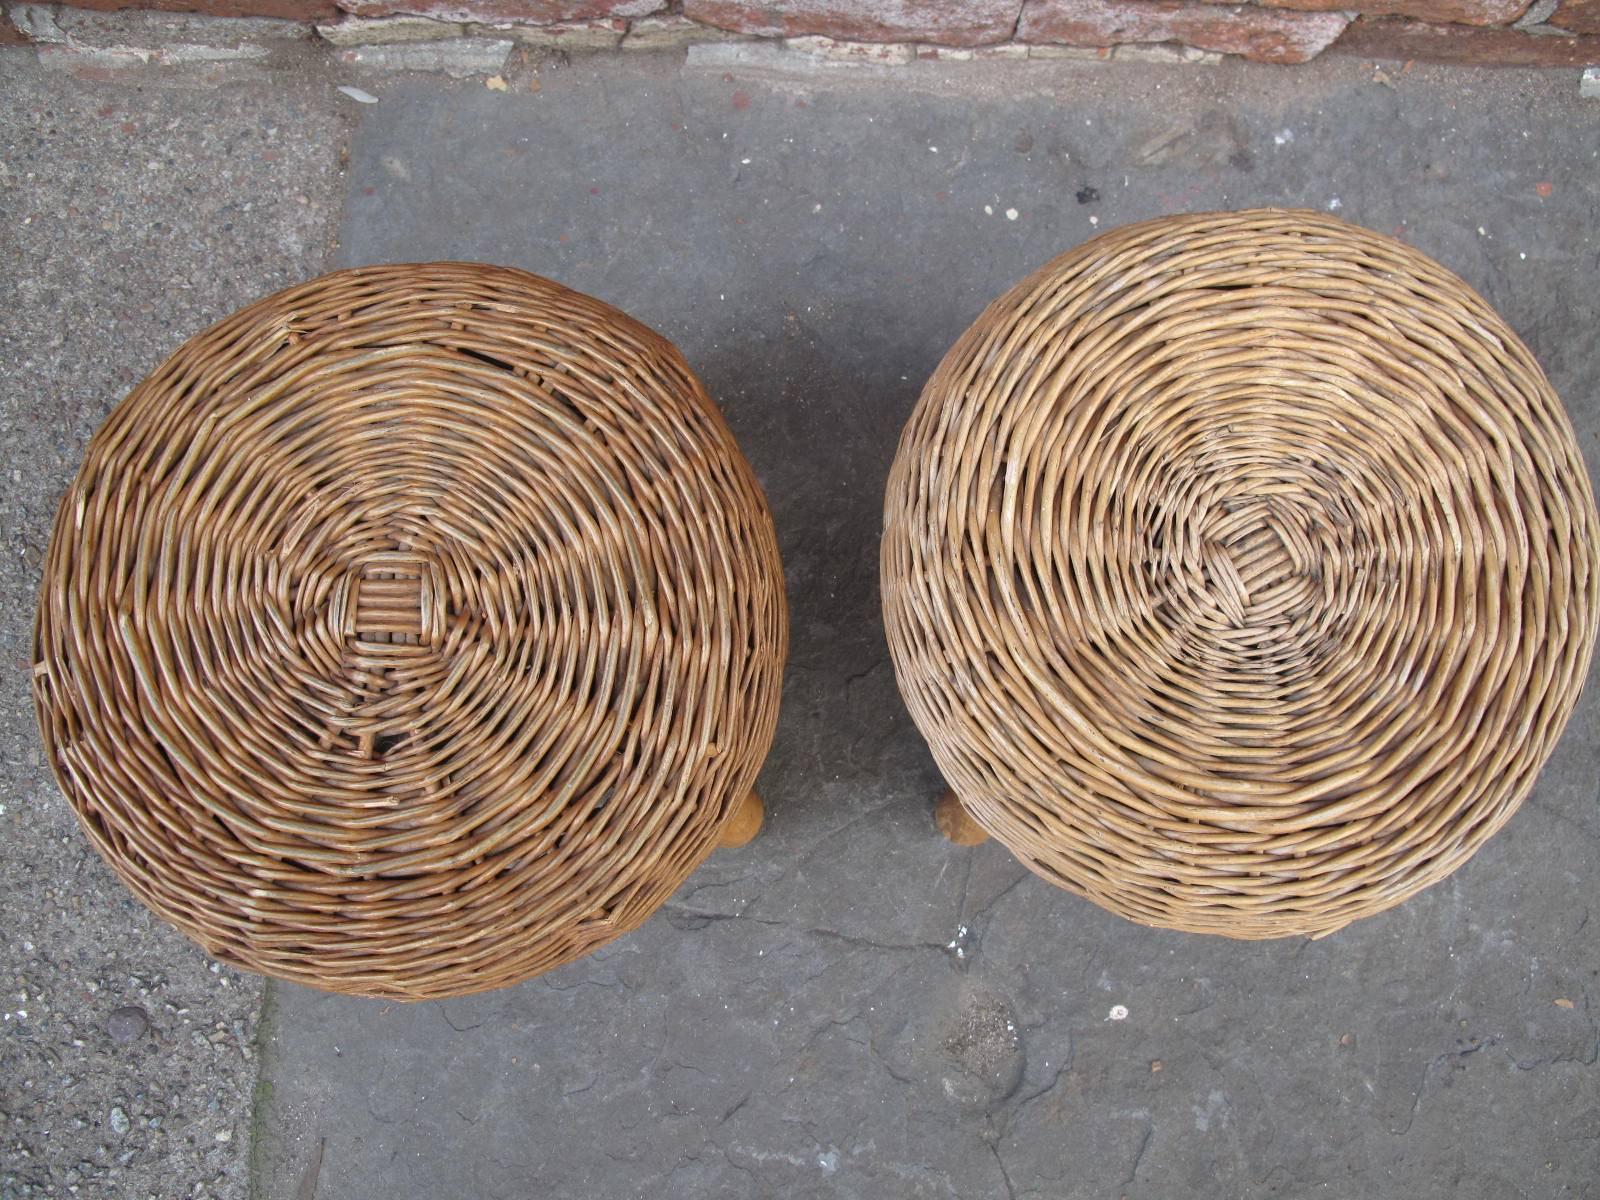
(850, 1007)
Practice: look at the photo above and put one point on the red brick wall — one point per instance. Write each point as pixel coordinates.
(1279, 31)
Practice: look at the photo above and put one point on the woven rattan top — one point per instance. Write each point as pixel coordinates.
(1240, 570)
(412, 631)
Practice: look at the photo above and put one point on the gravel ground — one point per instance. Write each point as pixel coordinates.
(136, 207)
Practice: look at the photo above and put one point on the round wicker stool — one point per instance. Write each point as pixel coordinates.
(412, 631)
(1240, 570)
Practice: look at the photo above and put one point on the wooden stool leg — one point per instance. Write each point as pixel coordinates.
(744, 824)
(955, 822)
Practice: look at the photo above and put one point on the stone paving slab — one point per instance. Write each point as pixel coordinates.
(851, 1007)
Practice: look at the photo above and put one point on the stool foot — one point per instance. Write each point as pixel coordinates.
(955, 822)
(744, 824)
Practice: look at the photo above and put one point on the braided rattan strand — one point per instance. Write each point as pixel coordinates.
(411, 631)
(1240, 570)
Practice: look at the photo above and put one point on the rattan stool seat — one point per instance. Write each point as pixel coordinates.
(1240, 570)
(412, 631)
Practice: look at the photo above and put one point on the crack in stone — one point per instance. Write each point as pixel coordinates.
(695, 890)
(826, 841)
(1016, 1109)
(1436, 1061)
(994, 1149)
(728, 1158)
(373, 1113)
(888, 1067)
(566, 1092)
(868, 943)
(860, 675)
(707, 918)
(1138, 1155)
(1558, 1060)
(829, 1024)
(1022, 876)
(572, 987)
(439, 1004)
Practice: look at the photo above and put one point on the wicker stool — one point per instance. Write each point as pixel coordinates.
(1240, 570)
(412, 631)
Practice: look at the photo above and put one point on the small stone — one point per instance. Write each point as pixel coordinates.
(1163, 52)
(833, 50)
(1155, 1065)
(38, 22)
(573, 37)
(1006, 52)
(507, 10)
(225, 1135)
(127, 1024)
(670, 33)
(1262, 34)
(1078, 53)
(1563, 1002)
(457, 57)
(363, 31)
(972, 23)
(119, 1121)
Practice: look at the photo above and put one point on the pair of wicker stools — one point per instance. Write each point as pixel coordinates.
(421, 628)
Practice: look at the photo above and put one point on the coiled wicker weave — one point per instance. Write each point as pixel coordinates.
(1240, 570)
(411, 631)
